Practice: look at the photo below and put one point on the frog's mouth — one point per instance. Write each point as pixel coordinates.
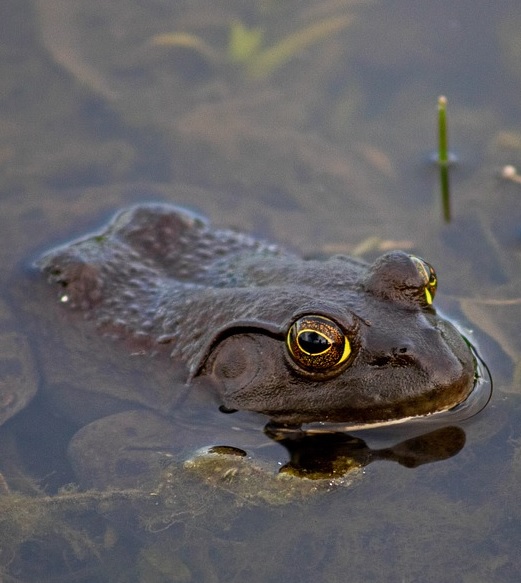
(475, 402)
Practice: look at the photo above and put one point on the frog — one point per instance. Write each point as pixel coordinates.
(261, 330)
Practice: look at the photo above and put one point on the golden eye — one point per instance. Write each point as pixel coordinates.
(428, 275)
(317, 343)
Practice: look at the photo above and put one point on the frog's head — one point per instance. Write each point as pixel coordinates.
(375, 351)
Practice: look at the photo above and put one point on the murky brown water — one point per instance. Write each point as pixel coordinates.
(313, 128)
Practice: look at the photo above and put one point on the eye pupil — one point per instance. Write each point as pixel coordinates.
(313, 342)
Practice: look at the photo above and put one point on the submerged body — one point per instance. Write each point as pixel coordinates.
(297, 340)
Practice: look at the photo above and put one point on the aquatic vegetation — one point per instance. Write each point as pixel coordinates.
(187, 41)
(48, 526)
(251, 484)
(89, 527)
(264, 62)
(443, 157)
(246, 45)
(244, 42)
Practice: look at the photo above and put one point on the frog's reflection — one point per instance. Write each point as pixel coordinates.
(334, 454)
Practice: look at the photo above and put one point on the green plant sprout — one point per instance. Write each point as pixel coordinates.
(443, 157)
(262, 63)
(243, 42)
(245, 45)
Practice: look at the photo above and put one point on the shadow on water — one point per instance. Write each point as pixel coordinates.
(326, 456)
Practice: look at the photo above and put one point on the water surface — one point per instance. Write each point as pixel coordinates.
(324, 148)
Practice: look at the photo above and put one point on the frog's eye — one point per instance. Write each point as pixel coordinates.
(428, 276)
(317, 343)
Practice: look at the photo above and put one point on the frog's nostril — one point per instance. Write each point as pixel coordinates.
(398, 357)
(382, 360)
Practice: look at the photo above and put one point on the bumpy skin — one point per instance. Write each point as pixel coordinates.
(222, 302)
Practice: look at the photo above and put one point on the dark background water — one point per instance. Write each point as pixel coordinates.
(325, 151)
